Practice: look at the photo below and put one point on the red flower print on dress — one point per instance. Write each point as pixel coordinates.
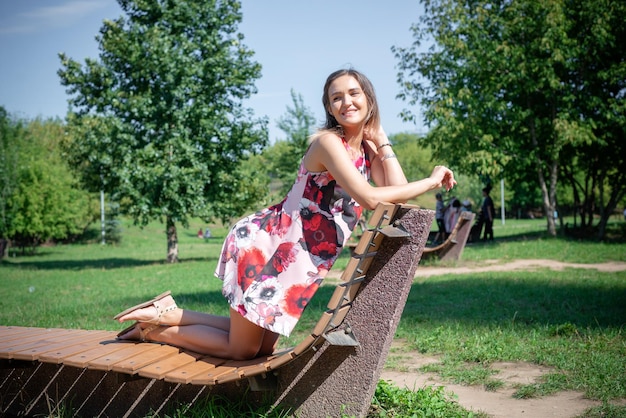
(297, 297)
(313, 222)
(285, 255)
(278, 225)
(251, 263)
(325, 250)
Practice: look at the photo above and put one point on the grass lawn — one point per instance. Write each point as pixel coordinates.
(572, 320)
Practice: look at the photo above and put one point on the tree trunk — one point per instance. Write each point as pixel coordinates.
(172, 241)
(547, 195)
(4, 245)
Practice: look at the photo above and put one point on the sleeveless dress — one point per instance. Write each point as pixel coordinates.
(273, 261)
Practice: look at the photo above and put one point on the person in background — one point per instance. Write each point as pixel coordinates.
(452, 215)
(440, 218)
(487, 212)
(273, 261)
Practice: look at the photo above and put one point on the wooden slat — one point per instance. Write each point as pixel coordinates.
(42, 341)
(304, 345)
(132, 364)
(84, 357)
(339, 316)
(210, 376)
(229, 371)
(363, 246)
(89, 337)
(321, 325)
(363, 265)
(263, 367)
(58, 355)
(352, 269)
(382, 214)
(159, 369)
(107, 361)
(345, 293)
(35, 335)
(187, 372)
(8, 332)
(339, 296)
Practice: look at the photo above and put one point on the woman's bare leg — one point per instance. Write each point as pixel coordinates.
(177, 316)
(244, 340)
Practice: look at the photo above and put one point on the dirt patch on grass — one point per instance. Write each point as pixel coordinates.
(527, 265)
(498, 403)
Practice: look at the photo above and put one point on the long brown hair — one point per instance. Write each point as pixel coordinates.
(373, 119)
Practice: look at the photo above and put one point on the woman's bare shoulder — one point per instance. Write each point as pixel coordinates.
(325, 138)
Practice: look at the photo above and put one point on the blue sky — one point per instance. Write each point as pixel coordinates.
(298, 43)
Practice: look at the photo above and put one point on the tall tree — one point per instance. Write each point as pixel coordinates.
(165, 102)
(297, 123)
(598, 170)
(499, 87)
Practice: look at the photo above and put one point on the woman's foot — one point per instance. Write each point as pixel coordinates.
(137, 332)
(153, 311)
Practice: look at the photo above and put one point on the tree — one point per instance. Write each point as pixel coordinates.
(160, 120)
(501, 87)
(9, 134)
(41, 198)
(598, 171)
(297, 123)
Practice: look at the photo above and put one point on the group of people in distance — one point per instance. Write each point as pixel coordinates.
(447, 214)
(273, 261)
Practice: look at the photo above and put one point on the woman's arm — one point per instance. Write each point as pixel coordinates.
(385, 169)
(327, 153)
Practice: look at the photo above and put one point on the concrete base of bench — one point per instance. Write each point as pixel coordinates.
(335, 377)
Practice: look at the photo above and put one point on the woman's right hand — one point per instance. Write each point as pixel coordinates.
(443, 177)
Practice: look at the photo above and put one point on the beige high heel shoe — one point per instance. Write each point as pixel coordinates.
(157, 302)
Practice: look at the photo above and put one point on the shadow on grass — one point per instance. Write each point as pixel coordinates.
(509, 299)
(103, 263)
(565, 306)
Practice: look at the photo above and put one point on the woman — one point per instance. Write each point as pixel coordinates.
(273, 261)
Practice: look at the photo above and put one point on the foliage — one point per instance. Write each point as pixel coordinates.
(41, 198)
(284, 157)
(513, 88)
(158, 121)
(414, 156)
(391, 401)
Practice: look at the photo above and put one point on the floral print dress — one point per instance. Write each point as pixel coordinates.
(274, 261)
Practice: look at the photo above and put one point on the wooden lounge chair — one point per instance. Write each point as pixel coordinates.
(334, 369)
(452, 247)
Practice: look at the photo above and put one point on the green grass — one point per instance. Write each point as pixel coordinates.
(571, 321)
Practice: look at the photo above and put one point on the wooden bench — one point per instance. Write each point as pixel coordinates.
(132, 379)
(452, 247)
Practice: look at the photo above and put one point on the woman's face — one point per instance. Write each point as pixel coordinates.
(348, 103)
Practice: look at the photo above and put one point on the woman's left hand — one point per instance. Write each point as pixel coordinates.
(377, 136)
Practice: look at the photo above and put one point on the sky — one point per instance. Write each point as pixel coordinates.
(297, 43)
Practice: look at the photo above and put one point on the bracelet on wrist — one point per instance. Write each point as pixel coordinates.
(387, 156)
(384, 145)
